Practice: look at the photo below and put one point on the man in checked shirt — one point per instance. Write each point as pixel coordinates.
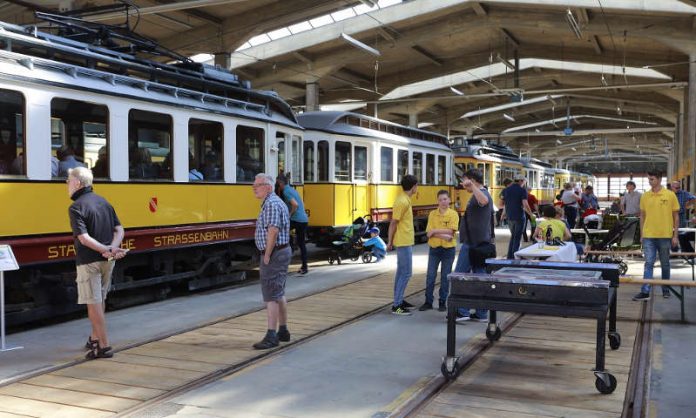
(272, 237)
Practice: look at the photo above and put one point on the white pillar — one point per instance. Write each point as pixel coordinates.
(413, 119)
(312, 96)
(223, 60)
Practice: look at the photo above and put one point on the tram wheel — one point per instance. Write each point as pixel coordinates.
(614, 340)
(602, 387)
(366, 257)
(493, 335)
(623, 268)
(449, 374)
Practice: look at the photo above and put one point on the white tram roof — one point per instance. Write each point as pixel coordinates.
(355, 124)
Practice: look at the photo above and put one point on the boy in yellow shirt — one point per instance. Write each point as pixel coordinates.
(401, 237)
(659, 225)
(443, 222)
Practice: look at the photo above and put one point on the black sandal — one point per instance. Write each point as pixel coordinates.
(88, 344)
(96, 351)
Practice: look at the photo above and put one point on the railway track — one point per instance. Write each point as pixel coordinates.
(551, 378)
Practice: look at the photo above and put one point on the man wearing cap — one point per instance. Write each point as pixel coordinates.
(443, 223)
(516, 205)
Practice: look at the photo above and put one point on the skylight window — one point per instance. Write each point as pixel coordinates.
(364, 8)
(280, 33)
(386, 3)
(342, 15)
(321, 21)
(300, 27)
(260, 39)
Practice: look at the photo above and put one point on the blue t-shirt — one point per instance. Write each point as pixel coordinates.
(513, 195)
(300, 215)
(377, 242)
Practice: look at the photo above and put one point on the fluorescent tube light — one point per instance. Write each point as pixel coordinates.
(360, 45)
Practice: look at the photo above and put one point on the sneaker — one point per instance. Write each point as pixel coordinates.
(425, 307)
(642, 296)
(400, 310)
(302, 271)
(482, 318)
(266, 343)
(666, 295)
(462, 319)
(284, 336)
(442, 307)
(405, 304)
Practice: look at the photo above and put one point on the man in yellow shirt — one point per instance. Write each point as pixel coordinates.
(659, 225)
(401, 237)
(443, 222)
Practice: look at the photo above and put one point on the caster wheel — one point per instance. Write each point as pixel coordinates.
(623, 268)
(331, 260)
(366, 257)
(493, 335)
(449, 374)
(603, 388)
(614, 340)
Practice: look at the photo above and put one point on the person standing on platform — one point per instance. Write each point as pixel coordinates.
(570, 204)
(659, 224)
(630, 201)
(401, 237)
(534, 208)
(443, 223)
(298, 217)
(686, 200)
(98, 234)
(516, 205)
(272, 237)
(476, 227)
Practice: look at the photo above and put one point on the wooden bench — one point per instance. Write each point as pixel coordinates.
(672, 284)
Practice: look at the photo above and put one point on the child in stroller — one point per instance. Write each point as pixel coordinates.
(376, 245)
(351, 246)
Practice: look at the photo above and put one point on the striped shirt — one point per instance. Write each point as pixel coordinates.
(683, 197)
(274, 212)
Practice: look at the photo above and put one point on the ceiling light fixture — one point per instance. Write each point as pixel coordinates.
(508, 117)
(456, 91)
(573, 148)
(573, 24)
(360, 45)
(559, 142)
(505, 62)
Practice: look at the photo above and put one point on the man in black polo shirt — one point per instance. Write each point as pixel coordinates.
(98, 234)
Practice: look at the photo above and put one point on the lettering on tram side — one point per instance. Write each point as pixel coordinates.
(68, 250)
(190, 238)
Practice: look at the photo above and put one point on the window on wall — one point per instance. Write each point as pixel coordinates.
(205, 151)
(295, 170)
(79, 137)
(402, 164)
(441, 169)
(323, 160)
(149, 145)
(12, 142)
(429, 169)
(342, 162)
(360, 172)
(250, 153)
(387, 164)
(280, 142)
(418, 166)
(308, 147)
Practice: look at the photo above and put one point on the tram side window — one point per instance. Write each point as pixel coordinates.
(323, 160)
(149, 145)
(360, 163)
(342, 162)
(250, 153)
(295, 169)
(308, 147)
(79, 137)
(387, 160)
(12, 141)
(418, 166)
(205, 150)
(280, 141)
(441, 169)
(429, 169)
(402, 164)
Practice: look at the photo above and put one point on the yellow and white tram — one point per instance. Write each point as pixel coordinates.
(353, 165)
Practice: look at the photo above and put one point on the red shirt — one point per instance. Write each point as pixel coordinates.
(533, 202)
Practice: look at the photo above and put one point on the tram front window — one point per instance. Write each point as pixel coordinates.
(343, 161)
(12, 160)
(418, 166)
(360, 163)
(205, 151)
(308, 160)
(429, 169)
(387, 166)
(402, 164)
(250, 153)
(149, 146)
(441, 167)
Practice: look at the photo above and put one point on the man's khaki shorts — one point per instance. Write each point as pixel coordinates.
(93, 281)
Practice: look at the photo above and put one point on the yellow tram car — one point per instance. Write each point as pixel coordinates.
(353, 165)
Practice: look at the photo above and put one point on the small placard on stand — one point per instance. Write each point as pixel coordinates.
(8, 262)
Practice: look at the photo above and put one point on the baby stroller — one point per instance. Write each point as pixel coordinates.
(351, 247)
(621, 235)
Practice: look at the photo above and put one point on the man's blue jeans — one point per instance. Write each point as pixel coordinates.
(439, 256)
(404, 261)
(515, 226)
(651, 247)
(464, 266)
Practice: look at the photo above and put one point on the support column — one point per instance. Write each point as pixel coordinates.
(312, 96)
(691, 121)
(413, 119)
(223, 60)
